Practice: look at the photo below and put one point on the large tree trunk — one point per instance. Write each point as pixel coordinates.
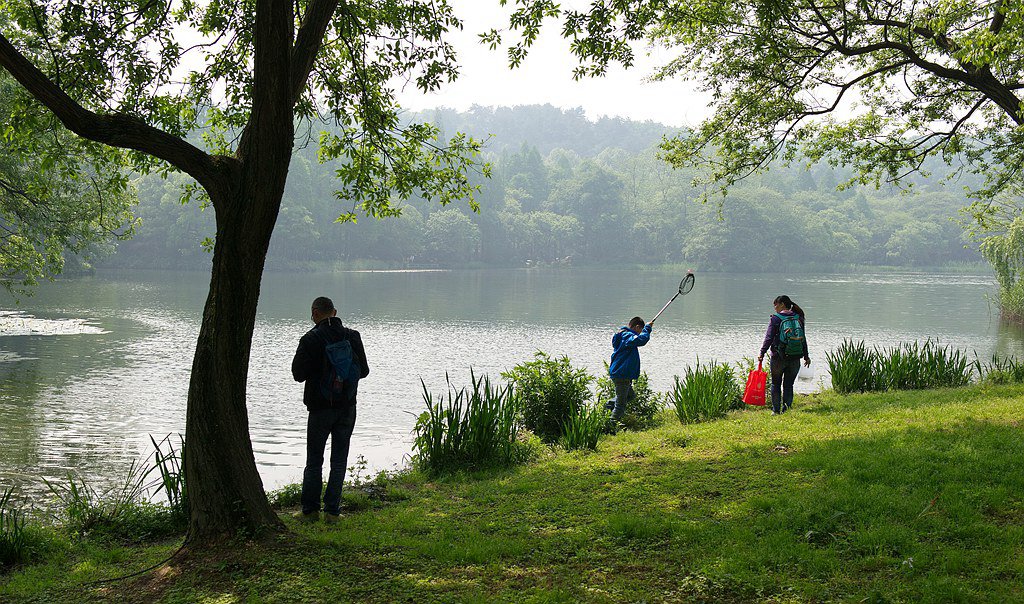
(225, 492)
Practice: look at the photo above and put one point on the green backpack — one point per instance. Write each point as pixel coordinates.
(791, 336)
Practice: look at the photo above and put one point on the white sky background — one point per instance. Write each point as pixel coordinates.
(546, 76)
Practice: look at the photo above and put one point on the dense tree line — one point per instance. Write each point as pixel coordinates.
(571, 206)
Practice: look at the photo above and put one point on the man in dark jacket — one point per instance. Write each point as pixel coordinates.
(334, 416)
(625, 364)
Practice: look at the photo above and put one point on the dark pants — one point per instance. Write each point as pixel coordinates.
(784, 370)
(623, 394)
(338, 424)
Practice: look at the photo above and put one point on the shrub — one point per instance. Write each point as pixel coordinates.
(550, 392)
(707, 392)
(468, 430)
(290, 495)
(585, 427)
(643, 412)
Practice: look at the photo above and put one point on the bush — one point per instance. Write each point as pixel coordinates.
(643, 412)
(707, 392)
(468, 430)
(585, 427)
(550, 392)
(288, 496)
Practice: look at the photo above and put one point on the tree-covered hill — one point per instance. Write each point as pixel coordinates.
(566, 190)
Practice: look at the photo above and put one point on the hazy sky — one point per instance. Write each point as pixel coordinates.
(546, 77)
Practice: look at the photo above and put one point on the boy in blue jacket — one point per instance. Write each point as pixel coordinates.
(625, 365)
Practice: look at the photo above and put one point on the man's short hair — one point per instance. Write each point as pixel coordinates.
(637, 322)
(323, 305)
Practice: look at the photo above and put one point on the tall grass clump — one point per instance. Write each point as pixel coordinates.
(852, 367)
(550, 392)
(17, 540)
(585, 427)
(468, 429)
(123, 511)
(907, 366)
(1002, 370)
(170, 467)
(707, 392)
(644, 411)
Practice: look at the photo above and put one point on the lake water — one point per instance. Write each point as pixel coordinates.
(91, 367)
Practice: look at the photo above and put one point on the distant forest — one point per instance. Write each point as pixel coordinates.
(569, 191)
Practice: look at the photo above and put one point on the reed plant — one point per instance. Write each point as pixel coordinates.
(852, 367)
(550, 391)
(585, 427)
(1001, 370)
(906, 366)
(468, 429)
(14, 539)
(123, 511)
(170, 466)
(707, 392)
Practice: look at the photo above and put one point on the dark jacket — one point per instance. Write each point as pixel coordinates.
(625, 363)
(771, 337)
(310, 361)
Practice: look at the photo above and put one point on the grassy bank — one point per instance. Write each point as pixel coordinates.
(891, 497)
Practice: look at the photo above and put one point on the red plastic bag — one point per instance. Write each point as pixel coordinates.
(756, 383)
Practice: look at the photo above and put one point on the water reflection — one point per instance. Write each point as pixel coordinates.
(87, 399)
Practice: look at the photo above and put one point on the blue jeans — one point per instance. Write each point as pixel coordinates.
(784, 370)
(338, 424)
(623, 394)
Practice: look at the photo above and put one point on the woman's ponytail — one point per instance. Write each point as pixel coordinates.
(788, 303)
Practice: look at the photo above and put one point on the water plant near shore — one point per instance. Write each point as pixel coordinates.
(468, 429)
(906, 366)
(13, 535)
(1001, 370)
(706, 392)
(585, 427)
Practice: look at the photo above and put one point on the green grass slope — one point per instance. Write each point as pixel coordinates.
(894, 497)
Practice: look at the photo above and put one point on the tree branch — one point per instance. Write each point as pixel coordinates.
(116, 130)
(308, 42)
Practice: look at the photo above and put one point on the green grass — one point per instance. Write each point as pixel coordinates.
(913, 496)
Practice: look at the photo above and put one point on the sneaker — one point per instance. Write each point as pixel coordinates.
(306, 516)
(331, 518)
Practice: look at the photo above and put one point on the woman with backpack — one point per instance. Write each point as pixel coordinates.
(788, 344)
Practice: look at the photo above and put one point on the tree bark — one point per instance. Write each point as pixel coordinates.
(225, 492)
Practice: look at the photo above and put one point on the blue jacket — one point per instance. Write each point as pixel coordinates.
(625, 363)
